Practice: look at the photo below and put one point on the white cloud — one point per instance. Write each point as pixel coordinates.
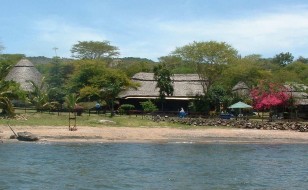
(63, 35)
(267, 34)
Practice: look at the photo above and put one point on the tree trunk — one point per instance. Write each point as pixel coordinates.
(112, 108)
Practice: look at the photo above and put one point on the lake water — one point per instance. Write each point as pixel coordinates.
(153, 166)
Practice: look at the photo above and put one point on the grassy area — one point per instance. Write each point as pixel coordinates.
(32, 118)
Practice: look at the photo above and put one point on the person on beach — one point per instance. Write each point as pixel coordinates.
(182, 113)
(97, 107)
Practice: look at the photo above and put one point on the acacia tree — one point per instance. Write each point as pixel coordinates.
(163, 78)
(94, 50)
(283, 59)
(208, 58)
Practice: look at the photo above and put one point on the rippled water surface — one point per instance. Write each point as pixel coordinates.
(153, 166)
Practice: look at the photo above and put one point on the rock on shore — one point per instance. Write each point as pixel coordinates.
(27, 136)
(247, 124)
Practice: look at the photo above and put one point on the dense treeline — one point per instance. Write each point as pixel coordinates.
(96, 73)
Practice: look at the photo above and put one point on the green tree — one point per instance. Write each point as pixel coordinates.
(7, 93)
(5, 67)
(94, 50)
(176, 65)
(218, 97)
(109, 93)
(302, 59)
(5, 104)
(89, 93)
(288, 76)
(57, 77)
(92, 79)
(39, 96)
(164, 82)
(200, 104)
(132, 66)
(283, 59)
(7, 62)
(300, 69)
(84, 72)
(111, 83)
(71, 101)
(248, 69)
(208, 58)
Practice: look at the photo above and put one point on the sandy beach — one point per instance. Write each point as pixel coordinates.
(156, 135)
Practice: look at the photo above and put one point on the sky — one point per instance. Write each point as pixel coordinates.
(154, 28)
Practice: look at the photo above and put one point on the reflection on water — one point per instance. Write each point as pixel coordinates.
(153, 166)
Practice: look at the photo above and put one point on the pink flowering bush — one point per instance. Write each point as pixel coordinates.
(268, 95)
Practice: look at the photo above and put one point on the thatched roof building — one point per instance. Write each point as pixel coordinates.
(186, 87)
(241, 89)
(23, 72)
(300, 95)
(297, 91)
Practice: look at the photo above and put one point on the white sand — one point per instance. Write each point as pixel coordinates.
(160, 135)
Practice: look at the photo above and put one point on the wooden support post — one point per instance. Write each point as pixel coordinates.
(74, 128)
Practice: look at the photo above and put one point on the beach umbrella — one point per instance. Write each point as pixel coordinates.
(239, 105)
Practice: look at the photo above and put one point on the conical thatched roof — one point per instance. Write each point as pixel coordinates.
(241, 89)
(23, 72)
(239, 86)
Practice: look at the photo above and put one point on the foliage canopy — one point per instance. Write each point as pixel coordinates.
(94, 50)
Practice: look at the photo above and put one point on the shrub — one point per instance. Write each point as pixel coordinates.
(148, 106)
(125, 108)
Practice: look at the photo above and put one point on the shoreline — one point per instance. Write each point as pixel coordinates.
(86, 134)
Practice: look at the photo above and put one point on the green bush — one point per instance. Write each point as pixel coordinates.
(148, 106)
(124, 109)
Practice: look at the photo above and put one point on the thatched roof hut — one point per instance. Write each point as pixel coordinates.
(186, 87)
(297, 91)
(300, 95)
(241, 89)
(23, 72)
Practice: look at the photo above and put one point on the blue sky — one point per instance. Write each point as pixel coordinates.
(154, 28)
